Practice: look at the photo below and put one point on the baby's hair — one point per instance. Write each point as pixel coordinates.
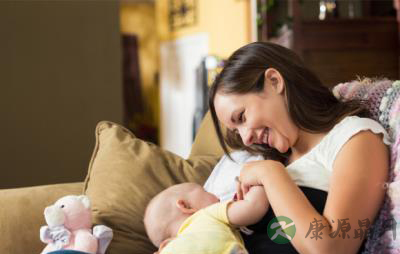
(160, 211)
(151, 223)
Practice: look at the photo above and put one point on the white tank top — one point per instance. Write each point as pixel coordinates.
(314, 169)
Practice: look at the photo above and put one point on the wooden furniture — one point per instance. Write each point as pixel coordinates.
(341, 49)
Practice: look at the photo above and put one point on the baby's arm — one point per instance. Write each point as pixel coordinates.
(249, 210)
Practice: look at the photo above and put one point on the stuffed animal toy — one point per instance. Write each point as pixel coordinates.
(69, 227)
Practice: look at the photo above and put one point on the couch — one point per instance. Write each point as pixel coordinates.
(125, 173)
(21, 212)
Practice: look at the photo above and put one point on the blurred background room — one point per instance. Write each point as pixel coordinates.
(65, 65)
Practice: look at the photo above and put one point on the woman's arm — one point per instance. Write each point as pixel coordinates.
(249, 210)
(356, 193)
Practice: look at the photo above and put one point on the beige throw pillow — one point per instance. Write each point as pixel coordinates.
(124, 174)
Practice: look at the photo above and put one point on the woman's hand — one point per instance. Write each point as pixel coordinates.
(253, 173)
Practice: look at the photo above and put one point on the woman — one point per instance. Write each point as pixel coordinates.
(326, 163)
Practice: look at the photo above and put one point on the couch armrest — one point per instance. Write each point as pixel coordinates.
(21, 215)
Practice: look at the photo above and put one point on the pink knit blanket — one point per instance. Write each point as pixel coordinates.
(382, 97)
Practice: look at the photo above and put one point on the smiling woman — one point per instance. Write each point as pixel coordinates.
(294, 96)
(249, 117)
(315, 146)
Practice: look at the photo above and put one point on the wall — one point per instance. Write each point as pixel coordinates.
(149, 21)
(139, 19)
(227, 22)
(60, 73)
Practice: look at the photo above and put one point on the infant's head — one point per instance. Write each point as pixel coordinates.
(172, 206)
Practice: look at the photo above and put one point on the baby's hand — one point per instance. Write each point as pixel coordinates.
(253, 172)
(240, 192)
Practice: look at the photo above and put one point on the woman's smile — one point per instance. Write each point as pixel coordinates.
(263, 137)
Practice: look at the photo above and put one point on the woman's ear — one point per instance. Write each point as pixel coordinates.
(275, 79)
(185, 207)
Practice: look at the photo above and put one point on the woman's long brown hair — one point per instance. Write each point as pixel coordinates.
(311, 105)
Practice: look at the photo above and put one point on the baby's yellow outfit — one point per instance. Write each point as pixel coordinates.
(207, 232)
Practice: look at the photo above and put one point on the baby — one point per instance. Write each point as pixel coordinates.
(185, 218)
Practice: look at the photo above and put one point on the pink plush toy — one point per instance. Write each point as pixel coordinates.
(69, 227)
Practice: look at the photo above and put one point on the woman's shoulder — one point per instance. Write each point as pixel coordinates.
(351, 125)
(348, 127)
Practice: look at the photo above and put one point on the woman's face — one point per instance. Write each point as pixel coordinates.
(259, 118)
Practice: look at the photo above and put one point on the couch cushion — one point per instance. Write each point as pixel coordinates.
(125, 173)
(21, 215)
(206, 141)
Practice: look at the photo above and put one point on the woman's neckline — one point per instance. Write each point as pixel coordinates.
(322, 140)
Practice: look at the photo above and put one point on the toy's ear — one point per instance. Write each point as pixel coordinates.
(85, 201)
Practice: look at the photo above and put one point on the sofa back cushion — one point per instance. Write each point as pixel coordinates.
(126, 172)
(206, 141)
